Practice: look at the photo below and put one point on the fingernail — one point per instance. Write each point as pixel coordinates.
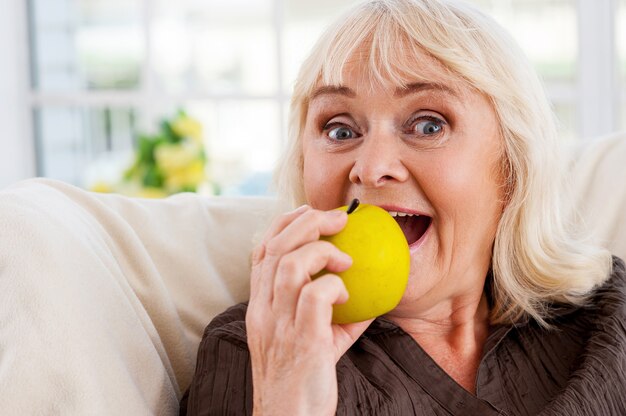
(346, 258)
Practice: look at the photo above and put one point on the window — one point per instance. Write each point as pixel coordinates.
(86, 45)
(620, 35)
(547, 32)
(86, 70)
(104, 70)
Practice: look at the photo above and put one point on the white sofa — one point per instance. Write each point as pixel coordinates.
(103, 299)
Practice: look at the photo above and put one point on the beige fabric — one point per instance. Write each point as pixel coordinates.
(598, 172)
(103, 299)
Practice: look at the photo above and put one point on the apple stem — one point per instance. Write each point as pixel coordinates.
(353, 205)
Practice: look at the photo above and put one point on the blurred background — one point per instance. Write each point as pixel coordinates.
(84, 84)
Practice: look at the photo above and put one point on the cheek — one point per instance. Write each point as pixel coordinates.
(469, 188)
(323, 181)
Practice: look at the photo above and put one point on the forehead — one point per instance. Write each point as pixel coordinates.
(366, 71)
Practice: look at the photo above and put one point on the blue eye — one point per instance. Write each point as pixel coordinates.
(424, 125)
(341, 133)
(428, 127)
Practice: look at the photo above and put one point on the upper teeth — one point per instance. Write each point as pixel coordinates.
(402, 214)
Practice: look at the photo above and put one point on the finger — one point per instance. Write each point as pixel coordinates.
(306, 228)
(295, 269)
(275, 228)
(315, 305)
(346, 334)
(255, 274)
(258, 254)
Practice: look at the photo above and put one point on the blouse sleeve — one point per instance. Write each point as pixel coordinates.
(222, 382)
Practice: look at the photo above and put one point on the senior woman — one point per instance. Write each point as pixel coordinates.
(424, 107)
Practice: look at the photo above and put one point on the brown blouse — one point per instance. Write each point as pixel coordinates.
(579, 368)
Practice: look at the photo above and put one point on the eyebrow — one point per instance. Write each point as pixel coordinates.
(412, 88)
(424, 86)
(333, 90)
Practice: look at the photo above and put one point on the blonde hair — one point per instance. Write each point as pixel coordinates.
(537, 258)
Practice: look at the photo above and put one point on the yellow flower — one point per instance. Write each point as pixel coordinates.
(173, 157)
(191, 175)
(182, 165)
(185, 126)
(152, 193)
(101, 187)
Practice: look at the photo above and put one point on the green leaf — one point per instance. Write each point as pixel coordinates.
(188, 188)
(202, 156)
(168, 133)
(153, 177)
(146, 149)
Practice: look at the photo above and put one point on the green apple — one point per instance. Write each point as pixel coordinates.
(380, 255)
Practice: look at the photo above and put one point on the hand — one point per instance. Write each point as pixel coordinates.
(293, 345)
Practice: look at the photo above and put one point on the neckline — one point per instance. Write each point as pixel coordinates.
(412, 359)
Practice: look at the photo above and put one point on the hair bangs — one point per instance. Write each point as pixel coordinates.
(379, 46)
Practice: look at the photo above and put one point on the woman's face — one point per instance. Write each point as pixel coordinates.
(432, 150)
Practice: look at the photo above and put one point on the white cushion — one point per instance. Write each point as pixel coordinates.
(598, 176)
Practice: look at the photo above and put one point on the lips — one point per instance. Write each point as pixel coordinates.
(413, 226)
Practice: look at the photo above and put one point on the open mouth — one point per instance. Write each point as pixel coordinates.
(413, 226)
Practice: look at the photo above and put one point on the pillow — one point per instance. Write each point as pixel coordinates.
(598, 177)
(104, 298)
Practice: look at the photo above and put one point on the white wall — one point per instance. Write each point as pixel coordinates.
(17, 158)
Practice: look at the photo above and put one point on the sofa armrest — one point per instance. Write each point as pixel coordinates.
(105, 297)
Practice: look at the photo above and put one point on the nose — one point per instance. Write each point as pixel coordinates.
(379, 162)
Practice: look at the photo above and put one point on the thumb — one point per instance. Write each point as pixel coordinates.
(347, 334)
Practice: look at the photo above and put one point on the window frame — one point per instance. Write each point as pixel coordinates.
(598, 95)
(17, 158)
